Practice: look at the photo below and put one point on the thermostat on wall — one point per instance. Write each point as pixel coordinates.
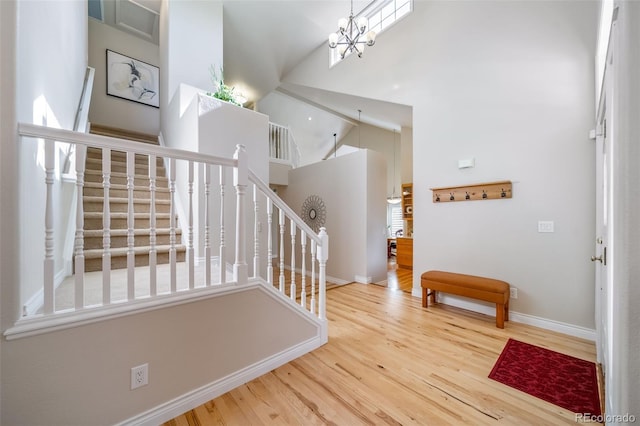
(467, 163)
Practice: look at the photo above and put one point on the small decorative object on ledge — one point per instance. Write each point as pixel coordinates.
(478, 191)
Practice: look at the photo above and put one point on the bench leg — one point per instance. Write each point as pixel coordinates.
(500, 314)
(424, 297)
(506, 311)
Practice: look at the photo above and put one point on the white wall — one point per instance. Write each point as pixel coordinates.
(352, 188)
(109, 110)
(50, 76)
(9, 272)
(383, 141)
(406, 154)
(191, 40)
(511, 84)
(81, 375)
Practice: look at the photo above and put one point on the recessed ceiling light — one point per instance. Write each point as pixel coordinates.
(309, 118)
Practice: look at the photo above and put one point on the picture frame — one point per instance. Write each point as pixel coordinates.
(132, 79)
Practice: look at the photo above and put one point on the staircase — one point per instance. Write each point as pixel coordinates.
(93, 197)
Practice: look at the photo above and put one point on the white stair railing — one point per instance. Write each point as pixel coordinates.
(282, 145)
(52, 315)
(319, 253)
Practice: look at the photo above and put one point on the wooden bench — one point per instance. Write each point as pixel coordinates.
(480, 288)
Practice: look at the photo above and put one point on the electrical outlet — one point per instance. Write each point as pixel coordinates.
(513, 292)
(139, 376)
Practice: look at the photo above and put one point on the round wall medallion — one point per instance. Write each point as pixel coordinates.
(314, 212)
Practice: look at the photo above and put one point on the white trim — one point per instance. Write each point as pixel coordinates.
(328, 278)
(547, 324)
(171, 409)
(363, 280)
(63, 320)
(338, 281)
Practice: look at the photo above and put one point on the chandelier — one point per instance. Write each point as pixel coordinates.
(349, 33)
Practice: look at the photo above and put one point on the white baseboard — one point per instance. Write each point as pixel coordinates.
(363, 280)
(190, 400)
(547, 324)
(330, 279)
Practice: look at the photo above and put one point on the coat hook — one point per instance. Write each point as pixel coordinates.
(503, 194)
(437, 198)
(451, 198)
(467, 197)
(484, 194)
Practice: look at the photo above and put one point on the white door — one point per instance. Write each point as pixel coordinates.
(602, 257)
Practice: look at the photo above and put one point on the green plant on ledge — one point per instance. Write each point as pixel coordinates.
(222, 91)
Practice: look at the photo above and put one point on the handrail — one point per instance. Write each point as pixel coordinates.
(62, 135)
(82, 115)
(277, 201)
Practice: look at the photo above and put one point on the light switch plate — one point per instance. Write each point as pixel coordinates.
(545, 226)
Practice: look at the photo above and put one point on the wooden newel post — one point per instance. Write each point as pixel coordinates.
(240, 181)
(323, 256)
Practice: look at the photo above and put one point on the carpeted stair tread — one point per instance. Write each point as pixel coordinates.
(115, 132)
(121, 156)
(125, 215)
(122, 251)
(137, 176)
(114, 200)
(93, 233)
(121, 186)
(121, 167)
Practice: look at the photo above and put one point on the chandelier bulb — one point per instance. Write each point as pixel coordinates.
(362, 24)
(371, 38)
(333, 40)
(342, 24)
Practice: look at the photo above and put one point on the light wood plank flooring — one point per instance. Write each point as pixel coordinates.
(390, 361)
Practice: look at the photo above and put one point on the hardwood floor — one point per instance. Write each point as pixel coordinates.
(390, 361)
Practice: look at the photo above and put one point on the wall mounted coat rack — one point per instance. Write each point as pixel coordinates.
(479, 191)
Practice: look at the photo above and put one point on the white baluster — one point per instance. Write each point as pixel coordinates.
(190, 253)
(49, 166)
(269, 242)
(303, 279)
(81, 154)
(240, 181)
(222, 261)
(281, 277)
(207, 243)
(313, 277)
(292, 286)
(153, 252)
(131, 256)
(106, 227)
(172, 223)
(285, 144)
(323, 256)
(256, 229)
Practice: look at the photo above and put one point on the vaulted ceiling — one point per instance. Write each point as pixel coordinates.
(263, 41)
